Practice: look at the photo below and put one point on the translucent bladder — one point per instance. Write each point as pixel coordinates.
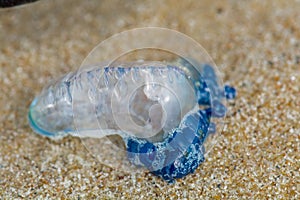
(143, 99)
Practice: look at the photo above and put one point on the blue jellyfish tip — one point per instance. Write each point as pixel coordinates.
(34, 126)
(230, 92)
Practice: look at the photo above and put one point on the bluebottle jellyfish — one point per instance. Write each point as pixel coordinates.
(163, 111)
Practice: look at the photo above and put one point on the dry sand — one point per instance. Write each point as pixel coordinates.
(257, 46)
